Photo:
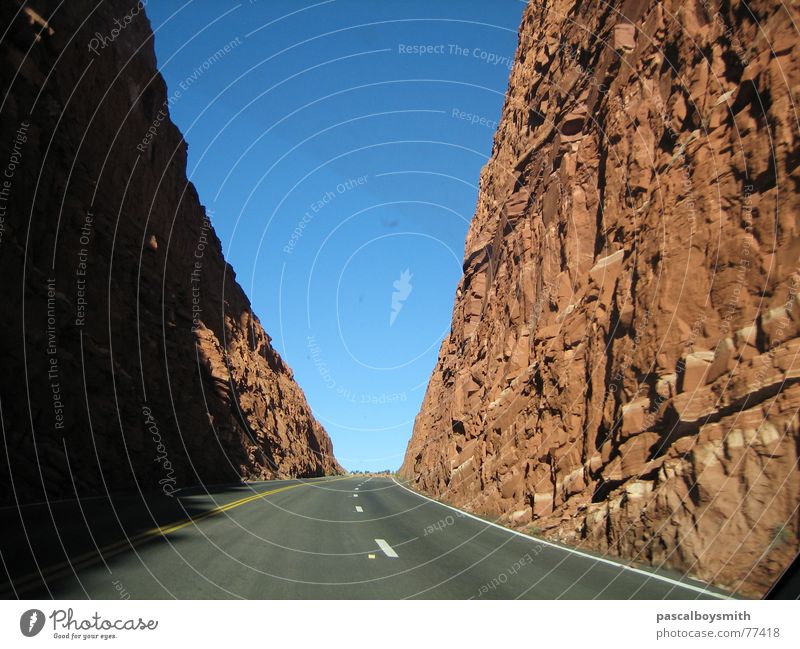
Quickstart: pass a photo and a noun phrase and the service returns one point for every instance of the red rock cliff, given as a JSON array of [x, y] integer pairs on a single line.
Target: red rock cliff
[[131, 357], [622, 371]]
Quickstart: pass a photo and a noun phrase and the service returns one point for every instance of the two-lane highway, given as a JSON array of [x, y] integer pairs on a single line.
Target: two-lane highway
[[348, 537]]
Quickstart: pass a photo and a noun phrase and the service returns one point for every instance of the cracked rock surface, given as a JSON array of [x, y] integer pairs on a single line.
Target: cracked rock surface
[[622, 371]]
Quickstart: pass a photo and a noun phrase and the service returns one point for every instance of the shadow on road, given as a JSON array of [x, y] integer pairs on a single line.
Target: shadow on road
[[39, 542]]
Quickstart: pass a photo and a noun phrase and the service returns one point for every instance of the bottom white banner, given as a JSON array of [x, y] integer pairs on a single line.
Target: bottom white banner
[[398, 623]]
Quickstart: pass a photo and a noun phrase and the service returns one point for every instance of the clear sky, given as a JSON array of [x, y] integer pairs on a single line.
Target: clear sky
[[337, 146]]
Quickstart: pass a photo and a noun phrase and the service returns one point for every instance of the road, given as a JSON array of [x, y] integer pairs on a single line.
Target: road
[[353, 538]]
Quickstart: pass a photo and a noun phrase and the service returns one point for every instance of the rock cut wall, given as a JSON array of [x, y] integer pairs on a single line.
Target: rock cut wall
[[622, 369], [131, 356]]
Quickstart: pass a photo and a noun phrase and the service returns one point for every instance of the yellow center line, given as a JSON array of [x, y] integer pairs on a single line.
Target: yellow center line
[[87, 559], [174, 527]]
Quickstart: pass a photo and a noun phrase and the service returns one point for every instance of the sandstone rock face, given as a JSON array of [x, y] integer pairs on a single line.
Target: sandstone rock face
[[131, 357], [622, 370]]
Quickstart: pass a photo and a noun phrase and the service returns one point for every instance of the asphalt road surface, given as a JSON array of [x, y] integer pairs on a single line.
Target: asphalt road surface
[[350, 538]]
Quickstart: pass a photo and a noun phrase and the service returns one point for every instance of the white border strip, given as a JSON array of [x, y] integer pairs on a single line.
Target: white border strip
[[650, 575]]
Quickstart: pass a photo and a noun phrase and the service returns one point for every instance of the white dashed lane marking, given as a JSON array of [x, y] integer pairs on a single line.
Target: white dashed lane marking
[[358, 509], [387, 549]]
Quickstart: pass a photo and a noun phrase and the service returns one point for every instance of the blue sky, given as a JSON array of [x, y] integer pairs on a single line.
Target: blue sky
[[337, 146]]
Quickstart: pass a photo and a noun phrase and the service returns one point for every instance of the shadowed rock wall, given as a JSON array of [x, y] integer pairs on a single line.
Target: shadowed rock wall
[[131, 357]]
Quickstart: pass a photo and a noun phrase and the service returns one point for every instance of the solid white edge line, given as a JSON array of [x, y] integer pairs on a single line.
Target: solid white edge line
[[536, 539], [359, 509], [387, 549]]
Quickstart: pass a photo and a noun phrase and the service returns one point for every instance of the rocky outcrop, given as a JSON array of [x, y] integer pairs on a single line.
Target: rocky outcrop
[[622, 370], [131, 357]]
